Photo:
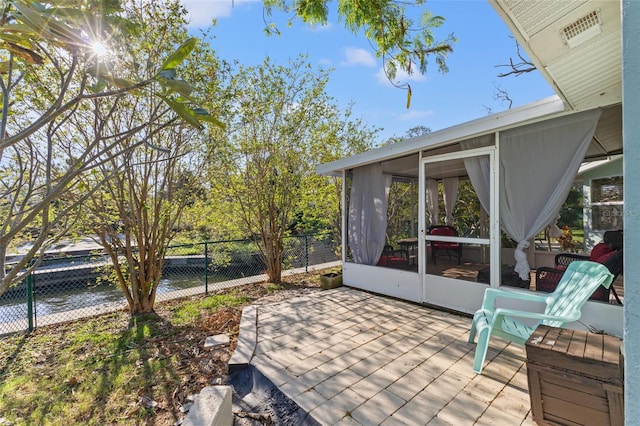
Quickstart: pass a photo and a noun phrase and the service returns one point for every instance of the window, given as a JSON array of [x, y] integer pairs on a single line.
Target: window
[[606, 203]]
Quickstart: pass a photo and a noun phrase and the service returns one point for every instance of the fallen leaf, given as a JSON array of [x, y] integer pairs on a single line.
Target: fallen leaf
[[147, 402], [71, 381]]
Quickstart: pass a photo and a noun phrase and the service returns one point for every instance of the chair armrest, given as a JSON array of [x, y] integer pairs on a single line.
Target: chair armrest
[[491, 294], [503, 312]]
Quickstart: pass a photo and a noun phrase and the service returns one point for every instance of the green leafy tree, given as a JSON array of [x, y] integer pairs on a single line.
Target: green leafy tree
[[402, 41], [414, 132], [281, 124], [52, 77], [466, 212], [135, 211], [320, 204], [571, 213], [402, 209]]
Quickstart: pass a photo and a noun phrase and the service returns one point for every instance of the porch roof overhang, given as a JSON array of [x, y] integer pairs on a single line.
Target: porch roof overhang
[[400, 159], [588, 167], [532, 112]]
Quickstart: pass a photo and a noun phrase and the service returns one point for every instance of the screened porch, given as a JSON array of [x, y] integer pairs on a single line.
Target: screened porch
[[437, 219]]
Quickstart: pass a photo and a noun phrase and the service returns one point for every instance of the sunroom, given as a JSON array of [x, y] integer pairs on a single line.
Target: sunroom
[[496, 182]]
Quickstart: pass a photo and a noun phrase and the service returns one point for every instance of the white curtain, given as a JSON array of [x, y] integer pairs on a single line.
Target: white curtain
[[432, 201], [450, 195], [553, 228], [479, 171], [538, 165], [368, 213]]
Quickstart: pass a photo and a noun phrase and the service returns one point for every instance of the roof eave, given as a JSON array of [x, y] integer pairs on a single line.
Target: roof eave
[[523, 40], [533, 111]]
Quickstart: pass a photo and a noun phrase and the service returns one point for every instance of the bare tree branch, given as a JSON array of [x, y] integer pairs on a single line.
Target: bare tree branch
[[502, 95], [522, 66]]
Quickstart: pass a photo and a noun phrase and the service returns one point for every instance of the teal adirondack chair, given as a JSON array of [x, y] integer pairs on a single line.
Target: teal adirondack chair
[[563, 306]]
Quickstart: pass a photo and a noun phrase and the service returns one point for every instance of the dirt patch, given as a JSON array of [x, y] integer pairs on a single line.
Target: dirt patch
[[210, 367], [257, 401]]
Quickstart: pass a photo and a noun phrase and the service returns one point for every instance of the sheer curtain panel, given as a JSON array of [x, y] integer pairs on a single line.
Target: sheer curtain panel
[[539, 163], [450, 195], [368, 213], [432, 201]]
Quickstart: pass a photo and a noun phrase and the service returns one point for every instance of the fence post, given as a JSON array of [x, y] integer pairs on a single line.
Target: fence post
[[206, 268], [30, 301], [306, 253]]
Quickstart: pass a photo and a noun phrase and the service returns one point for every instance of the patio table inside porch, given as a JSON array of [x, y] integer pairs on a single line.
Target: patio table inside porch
[[349, 357], [409, 248]]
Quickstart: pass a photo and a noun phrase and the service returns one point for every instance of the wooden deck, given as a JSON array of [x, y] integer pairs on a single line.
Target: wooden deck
[[348, 357]]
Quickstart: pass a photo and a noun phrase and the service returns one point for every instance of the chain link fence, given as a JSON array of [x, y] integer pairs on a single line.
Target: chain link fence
[[69, 287]]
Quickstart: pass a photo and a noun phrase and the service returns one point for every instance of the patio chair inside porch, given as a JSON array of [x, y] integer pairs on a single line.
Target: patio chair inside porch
[[608, 252], [392, 258], [444, 246], [562, 307]]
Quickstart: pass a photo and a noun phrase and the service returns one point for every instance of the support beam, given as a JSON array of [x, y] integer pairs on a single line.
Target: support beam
[[631, 146]]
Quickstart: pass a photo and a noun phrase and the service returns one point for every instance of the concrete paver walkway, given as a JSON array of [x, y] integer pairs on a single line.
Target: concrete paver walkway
[[349, 357]]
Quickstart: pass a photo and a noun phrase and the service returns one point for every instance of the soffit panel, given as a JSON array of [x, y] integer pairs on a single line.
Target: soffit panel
[[601, 77], [533, 16], [589, 74], [404, 166], [446, 169], [549, 45]]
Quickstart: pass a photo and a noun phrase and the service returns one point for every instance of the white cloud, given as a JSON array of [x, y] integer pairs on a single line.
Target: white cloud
[[356, 56], [415, 115], [402, 77], [322, 27], [201, 12]]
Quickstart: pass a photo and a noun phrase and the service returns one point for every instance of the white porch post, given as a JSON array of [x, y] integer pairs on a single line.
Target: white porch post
[[631, 143], [422, 225], [494, 214], [344, 217]]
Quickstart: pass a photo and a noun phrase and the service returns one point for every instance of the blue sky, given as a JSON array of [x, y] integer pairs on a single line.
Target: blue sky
[[466, 92]]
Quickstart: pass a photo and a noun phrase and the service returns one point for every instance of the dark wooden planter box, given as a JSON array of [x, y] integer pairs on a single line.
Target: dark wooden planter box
[[330, 280], [575, 377]]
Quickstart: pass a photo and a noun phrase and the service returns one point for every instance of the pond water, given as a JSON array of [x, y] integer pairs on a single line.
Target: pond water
[[13, 306]]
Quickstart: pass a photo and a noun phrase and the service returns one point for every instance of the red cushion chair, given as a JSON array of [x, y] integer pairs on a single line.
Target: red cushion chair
[[389, 258], [444, 246], [600, 249], [547, 278]]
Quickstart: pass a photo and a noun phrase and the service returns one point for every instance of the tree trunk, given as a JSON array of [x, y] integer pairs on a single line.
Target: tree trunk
[[141, 281], [274, 271], [142, 305], [273, 261]]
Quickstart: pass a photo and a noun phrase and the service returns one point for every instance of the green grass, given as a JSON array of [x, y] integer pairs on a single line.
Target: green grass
[[97, 371], [187, 312], [108, 369], [578, 235], [272, 288]]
